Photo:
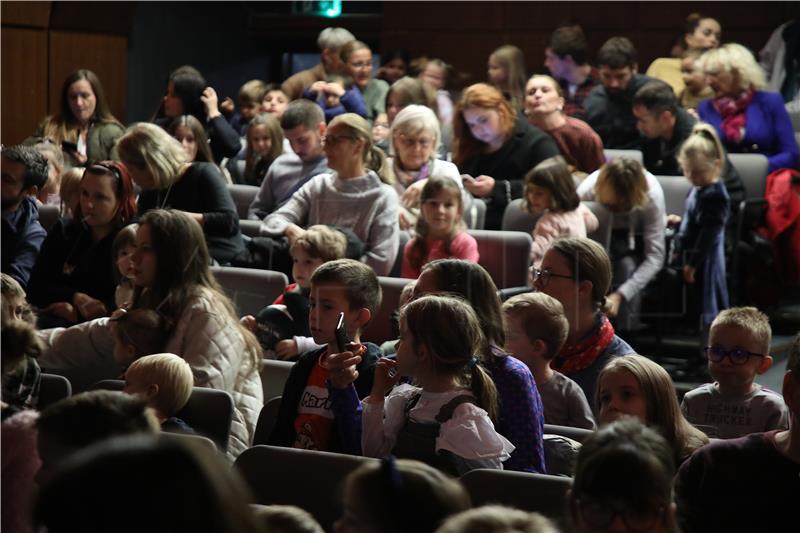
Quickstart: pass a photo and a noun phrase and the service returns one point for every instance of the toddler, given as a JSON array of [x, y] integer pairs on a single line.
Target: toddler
[[251, 95], [696, 88], [536, 330], [20, 345], [264, 145], [734, 406], [336, 95], [165, 382], [122, 250], [70, 191], [440, 230], [550, 192]]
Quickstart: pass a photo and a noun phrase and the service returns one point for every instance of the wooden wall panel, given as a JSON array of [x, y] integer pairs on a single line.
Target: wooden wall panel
[[34, 14], [106, 55], [24, 82]]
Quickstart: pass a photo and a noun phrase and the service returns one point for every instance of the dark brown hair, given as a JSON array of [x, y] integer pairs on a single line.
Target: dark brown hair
[[553, 175], [419, 247]]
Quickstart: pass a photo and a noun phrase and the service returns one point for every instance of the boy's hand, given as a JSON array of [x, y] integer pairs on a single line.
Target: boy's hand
[[286, 349], [386, 377], [688, 274], [249, 322], [210, 100], [342, 369], [614, 301]]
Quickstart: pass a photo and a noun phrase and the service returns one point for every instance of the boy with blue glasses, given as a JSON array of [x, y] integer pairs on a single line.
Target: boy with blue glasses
[[734, 406]]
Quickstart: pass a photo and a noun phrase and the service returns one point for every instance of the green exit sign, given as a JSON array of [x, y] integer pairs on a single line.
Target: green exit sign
[[327, 9]]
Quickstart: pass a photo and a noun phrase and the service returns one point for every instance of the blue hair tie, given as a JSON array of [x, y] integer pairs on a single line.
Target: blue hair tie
[[472, 362], [391, 474]]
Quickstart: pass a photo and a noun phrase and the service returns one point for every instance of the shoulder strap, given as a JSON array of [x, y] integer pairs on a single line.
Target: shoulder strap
[[412, 402], [447, 410]]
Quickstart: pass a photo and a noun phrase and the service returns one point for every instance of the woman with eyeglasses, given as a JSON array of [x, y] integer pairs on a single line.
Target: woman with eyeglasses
[[74, 276], [577, 273], [357, 60], [84, 127], [160, 167], [355, 195], [623, 481]]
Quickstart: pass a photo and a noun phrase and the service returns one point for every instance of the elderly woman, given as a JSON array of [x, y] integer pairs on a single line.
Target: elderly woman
[[160, 167], [494, 149], [579, 143], [637, 248], [357, 59], [415, 138], [84, 126], [747, 118]]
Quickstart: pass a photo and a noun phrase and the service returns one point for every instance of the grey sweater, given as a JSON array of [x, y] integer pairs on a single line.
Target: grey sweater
[[364, 204], [285, 175]]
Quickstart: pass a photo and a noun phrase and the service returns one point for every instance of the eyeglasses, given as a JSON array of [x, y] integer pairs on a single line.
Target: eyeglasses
[[600, 515], [409, 142], [360, 65], [543, 276], [333, 140], [737, 356]]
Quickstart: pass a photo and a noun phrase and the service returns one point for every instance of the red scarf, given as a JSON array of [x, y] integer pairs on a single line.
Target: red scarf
[[575, 357], [732, 111]]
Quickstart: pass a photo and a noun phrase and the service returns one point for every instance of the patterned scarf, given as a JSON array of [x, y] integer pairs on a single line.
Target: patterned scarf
[[575, 357], [733, 113]]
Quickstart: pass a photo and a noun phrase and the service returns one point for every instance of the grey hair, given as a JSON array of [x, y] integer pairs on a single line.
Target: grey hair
[[334, 38], [733, 56], [414, 119]]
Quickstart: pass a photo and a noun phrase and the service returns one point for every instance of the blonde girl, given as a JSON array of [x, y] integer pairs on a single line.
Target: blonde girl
[[506, 71], [550, 192], [446, 420], [440, 228]]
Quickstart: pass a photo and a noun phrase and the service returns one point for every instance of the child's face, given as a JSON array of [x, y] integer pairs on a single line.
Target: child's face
[[730, 375], [498, 75], [540, 198], [434, 75], [517, 341], [185, 136], [275, 102], [303, 265], [700, 175], [441, 212], [621, 394], [136, 385], [259, 140], [125, 264], [248, 110], [407, 358], [380, 128], [144, 258], [333, 100], [327, 300], [15, 304], [693, 77]]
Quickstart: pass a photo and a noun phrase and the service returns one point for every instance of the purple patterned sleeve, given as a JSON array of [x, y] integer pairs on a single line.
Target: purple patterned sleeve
[[520, 411]]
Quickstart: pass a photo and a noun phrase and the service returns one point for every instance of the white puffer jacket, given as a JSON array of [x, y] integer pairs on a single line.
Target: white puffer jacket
[[204, 338]]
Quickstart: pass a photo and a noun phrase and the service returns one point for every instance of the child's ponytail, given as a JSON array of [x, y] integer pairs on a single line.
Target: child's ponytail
[[484, 389], [702, 149]]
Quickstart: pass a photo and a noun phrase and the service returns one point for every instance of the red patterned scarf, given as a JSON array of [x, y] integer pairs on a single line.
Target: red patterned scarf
[[575, 357], [733, 113]]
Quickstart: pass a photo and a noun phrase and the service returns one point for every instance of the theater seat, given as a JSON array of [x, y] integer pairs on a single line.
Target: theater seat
[[250, 289], [266, 420], [243, 196], [379, 328], [48, 216], [274, 374], [605, 223], [578, 434], [516, 218], [612, 154], [530, 492], [676, 189], [753, 169], [505, 255], [52, 388]]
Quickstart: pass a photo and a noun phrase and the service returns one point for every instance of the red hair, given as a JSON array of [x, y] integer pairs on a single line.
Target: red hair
[[123, 189], [485, 96]]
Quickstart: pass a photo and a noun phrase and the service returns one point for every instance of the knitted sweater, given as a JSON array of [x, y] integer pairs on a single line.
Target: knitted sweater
[[362, 204]]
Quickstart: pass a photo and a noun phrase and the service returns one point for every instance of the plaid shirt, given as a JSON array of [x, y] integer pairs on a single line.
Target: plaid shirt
[[21, 387], [573, 105]]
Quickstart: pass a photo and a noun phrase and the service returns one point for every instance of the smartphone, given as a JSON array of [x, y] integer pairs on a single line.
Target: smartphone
[[69, 146], [341, 334]]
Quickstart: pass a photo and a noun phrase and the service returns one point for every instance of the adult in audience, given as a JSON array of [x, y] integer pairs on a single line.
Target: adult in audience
[[566, 57], [577, 273], [303, 124], [173, 278], [716, 487], [608, 106], [110, 486], [415, 139], [394, 65], [357, 62], [495, 149], [435, 73], [408, 91], [159, 166], [84, 127], [192, 136], [75, 274], [354, 195], [665, 126], [623, 481], [24, 172], [637, 247], [330, 42], [189, 94], [579, 143], [747, 118]]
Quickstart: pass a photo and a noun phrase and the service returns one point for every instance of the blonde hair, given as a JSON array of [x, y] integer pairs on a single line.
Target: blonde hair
[[70, 190], [702, 150], [733, 57], [662, 409], [497, 519], [542, 318], [148, 147], [749, 319], [171, 373], [414, 120], [553, 175], [622, 183], [321, 242], [373, 157], [275, 134], [511, 58], [252, 92]]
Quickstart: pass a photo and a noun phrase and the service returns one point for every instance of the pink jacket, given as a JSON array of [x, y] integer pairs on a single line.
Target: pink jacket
[[552, 225]]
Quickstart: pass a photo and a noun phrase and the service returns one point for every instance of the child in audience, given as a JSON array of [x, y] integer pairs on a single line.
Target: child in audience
[[264, 145], [165, 382], [734, 405], [285, 519], [137, 333], [635, 386], [536, 330], [506, 71], [497, 519], [701, 238], [399, 496], [311, 414], [251, 95], [445, 421], [380, 128], [275, 101], [14, 303], [282, 328], [21, 374], [440, 231], [70, 191], [122, 250], [550, 192], [336, 95], [696, 87]]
